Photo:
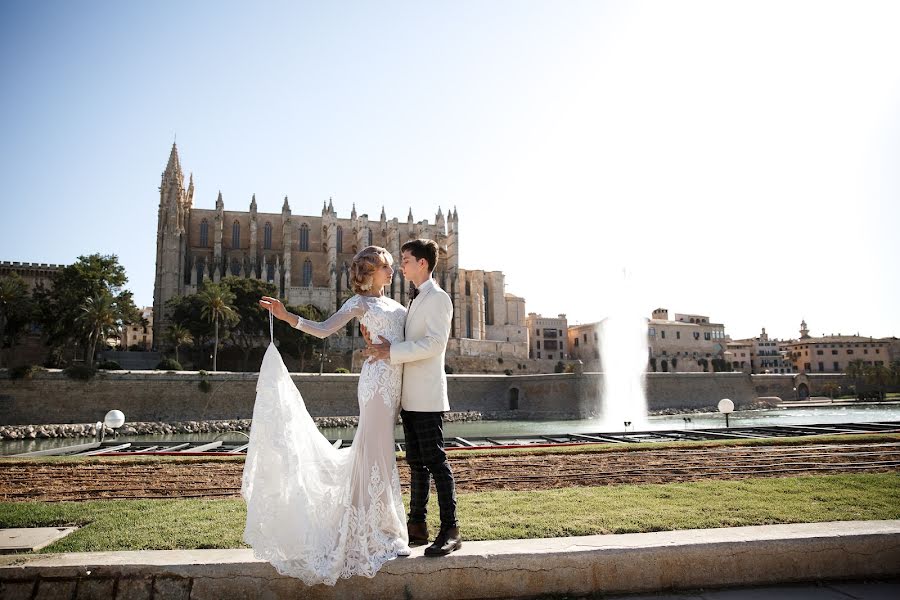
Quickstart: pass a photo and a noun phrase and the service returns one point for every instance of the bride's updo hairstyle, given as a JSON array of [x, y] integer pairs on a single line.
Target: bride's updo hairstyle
[[365, 263]]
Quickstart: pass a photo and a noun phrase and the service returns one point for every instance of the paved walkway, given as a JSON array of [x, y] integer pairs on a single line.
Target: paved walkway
[[849, 590], [577, 567]]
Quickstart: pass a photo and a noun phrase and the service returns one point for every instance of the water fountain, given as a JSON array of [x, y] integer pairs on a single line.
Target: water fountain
[[623, 352]]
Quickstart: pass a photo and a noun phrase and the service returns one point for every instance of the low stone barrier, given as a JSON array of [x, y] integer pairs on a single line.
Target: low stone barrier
[[24, 432]]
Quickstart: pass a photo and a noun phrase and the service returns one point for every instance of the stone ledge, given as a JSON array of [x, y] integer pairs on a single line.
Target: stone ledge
[[628, 563]]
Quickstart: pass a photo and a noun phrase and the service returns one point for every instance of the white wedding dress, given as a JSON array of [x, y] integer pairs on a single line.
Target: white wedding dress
[[316, 512]]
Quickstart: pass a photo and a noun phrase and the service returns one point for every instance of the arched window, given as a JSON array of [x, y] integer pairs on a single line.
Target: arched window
[[204, 234], [370, 237], [236, 235], [270, 272], [235, 267], [468, 288], [307, 273], [304, 238], [267, 237], [340, 239], [513, 398], [488, 314], [468, 322]]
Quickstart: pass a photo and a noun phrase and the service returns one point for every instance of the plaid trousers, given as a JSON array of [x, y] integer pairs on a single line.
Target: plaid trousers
[[424, 434]]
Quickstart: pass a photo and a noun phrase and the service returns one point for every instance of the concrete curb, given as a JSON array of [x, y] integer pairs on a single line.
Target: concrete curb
[[629, 563]]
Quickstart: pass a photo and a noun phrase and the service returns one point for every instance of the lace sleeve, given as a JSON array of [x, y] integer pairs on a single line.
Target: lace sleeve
[[352, 308]]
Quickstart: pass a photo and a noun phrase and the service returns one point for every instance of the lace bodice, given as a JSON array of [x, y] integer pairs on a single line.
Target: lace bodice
[[381, 315]]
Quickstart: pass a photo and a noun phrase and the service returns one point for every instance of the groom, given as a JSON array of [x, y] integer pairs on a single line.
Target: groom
[[424, 396]]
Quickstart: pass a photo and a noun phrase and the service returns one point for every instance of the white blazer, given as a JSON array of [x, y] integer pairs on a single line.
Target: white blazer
[[422, 354]]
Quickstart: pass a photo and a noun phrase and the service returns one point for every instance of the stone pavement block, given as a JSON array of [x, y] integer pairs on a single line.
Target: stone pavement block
[[17, 590], [213, 588], [887, 590], [95, 589], [131, 588], [30, 539], [172, 588], [49, 589], [793, 592], [675, 596]]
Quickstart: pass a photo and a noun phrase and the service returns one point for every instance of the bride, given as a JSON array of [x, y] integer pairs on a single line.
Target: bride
[[313, 511]]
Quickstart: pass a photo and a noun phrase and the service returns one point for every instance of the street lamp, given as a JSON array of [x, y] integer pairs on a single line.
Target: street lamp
[[113, 419], [726, 407]]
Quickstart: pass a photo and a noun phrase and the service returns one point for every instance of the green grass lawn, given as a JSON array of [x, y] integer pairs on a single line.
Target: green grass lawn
[[172, 524]]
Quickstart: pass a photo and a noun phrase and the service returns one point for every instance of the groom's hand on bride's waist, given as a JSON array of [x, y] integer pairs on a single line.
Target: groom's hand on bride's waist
[[378, 349]]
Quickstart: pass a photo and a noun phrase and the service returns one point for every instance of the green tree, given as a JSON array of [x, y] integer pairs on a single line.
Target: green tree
[[294, 342], [60, 308], [252, 331], [187, 311], [179, 336], [15, 310], [217, 301], [99, 318], [895, 373]]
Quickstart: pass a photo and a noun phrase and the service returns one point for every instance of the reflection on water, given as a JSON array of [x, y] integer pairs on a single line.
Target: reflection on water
[[747, 418]]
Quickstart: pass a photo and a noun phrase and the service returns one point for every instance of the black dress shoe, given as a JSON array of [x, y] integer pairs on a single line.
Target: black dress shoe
[[446, 542], [418, 533]]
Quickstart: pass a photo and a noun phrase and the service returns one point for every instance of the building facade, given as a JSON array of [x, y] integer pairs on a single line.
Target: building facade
[[832, 353], [547, 336], [138, 333], [308, 258], [34, 274], [584, 344], [687, 343], [767, 355]]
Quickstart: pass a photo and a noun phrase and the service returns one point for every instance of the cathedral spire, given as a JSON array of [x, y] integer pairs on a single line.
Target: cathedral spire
[[353, 212], [174, 162], [285, 206], [409, 217], [253, 202], [383, 214], [330, 205], [220, 204]]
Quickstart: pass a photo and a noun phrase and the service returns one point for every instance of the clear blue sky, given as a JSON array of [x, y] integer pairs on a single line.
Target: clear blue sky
[[739, 159]]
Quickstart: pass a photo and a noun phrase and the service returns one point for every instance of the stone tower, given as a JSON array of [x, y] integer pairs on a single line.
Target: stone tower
[[175, 204]]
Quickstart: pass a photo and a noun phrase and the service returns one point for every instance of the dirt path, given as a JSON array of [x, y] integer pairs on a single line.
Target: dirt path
[[72, 481]]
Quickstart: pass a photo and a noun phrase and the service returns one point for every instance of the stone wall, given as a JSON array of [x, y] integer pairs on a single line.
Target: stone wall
[[51, 397]]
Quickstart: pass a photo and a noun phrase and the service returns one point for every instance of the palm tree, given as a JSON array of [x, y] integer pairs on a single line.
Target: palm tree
[[217, 300], [179, 336], [100, 316]]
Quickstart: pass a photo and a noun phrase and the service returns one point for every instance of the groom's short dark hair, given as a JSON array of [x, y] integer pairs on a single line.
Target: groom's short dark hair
[[422, 248]]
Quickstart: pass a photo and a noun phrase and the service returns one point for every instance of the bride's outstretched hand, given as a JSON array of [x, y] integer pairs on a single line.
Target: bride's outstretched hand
[[274, 306]]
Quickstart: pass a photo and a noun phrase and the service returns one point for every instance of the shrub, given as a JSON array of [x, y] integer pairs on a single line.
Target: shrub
[[341, 370], [559, 368], [80, 372], [110, 365], [23, 371], [169, 364]]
